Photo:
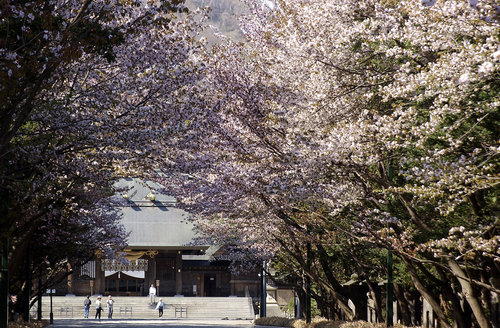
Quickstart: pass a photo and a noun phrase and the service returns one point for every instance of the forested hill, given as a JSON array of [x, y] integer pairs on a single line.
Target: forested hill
[[224, 15]]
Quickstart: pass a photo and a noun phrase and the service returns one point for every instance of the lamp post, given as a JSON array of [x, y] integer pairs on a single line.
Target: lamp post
[[389, 299], [308, 284], [51, 291], [91, 282], [263, 292], [390, 311]]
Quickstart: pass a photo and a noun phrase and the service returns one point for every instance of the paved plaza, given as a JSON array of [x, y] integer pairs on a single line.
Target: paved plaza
[[149, 323]]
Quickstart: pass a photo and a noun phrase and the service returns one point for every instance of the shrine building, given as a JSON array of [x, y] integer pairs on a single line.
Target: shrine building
[[160, 252]]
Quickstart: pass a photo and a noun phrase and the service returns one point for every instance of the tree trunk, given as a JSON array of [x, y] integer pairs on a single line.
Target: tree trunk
[[461, 317], [27, 286], [403, 305], [426, 294], [468, 292], [342, 303], [485, 294], [371, 289], [336, 290], [4, 283], [301, 295]]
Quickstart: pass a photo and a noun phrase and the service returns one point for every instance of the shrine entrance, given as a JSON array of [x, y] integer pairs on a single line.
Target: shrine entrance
[[210, 285], [124, 277], [123, 284]]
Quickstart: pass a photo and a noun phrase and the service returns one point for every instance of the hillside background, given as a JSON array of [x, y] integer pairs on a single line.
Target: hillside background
[[224, 16]]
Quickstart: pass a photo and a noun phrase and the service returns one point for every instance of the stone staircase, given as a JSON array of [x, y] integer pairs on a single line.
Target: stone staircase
[[138, 307]]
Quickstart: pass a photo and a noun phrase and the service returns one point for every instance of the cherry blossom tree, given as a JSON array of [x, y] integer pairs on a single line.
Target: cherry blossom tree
[[90, 91], [376, 119]]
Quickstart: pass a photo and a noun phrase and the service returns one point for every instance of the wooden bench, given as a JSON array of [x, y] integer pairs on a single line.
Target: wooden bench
[[182, 311], [125, 310]]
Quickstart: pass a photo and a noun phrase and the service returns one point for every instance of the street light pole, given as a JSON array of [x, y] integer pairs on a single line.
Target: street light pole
[[308, 284], [389, 297], [263, 292], [390, 311], [51, 313]]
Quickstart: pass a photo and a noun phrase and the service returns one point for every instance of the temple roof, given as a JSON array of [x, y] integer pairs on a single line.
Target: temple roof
[[152, 218]]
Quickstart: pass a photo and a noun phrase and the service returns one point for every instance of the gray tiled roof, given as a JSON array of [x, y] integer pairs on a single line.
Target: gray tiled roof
[[154, 224]]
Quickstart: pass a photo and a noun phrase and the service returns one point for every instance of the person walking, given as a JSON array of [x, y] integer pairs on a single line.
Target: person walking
[[152, 294], [159, 307], [110, 302], [86, 306], [98, 308]]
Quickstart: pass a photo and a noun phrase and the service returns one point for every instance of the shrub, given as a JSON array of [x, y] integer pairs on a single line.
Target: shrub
[[32, 324], [362, 324], [274, 321], [318, 323]]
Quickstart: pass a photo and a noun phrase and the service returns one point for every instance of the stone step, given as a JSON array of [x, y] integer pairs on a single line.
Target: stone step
[[139, 307]]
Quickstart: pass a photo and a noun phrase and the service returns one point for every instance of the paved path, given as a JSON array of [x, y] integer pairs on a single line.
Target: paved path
[[149, 323]]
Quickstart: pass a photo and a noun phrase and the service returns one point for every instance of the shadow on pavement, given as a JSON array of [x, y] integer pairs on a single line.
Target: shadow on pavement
[[149, 323]]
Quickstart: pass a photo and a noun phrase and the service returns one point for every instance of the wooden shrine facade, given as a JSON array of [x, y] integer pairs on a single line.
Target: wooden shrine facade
[[167, 271]]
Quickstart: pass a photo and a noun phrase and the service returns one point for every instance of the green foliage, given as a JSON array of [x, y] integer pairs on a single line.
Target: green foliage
[[92, 37]]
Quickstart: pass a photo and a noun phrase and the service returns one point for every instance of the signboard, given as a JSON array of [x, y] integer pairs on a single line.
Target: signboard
[[124, 265]]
